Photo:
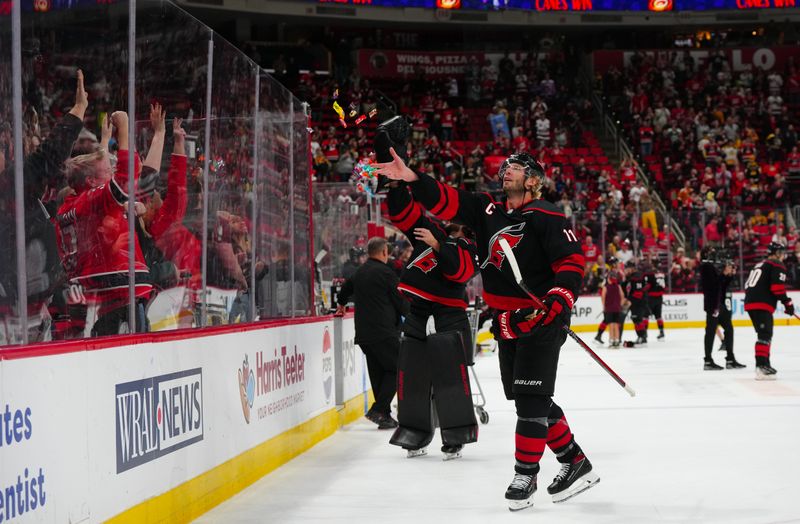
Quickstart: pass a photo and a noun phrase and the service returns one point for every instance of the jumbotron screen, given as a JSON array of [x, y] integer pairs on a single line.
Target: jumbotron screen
[[577, 5]]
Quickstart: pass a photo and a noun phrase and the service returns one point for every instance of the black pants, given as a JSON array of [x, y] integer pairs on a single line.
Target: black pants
[[115, 322], [723, 319], [640, 314], [382, 369], [762, 322], [528, 365]]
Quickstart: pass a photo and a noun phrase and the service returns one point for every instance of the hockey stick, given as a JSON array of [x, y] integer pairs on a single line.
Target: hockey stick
[[512, 260]]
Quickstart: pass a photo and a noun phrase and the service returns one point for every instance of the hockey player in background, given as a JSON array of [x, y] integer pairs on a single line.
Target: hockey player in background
[[765, 285], [636, 289], [656, 282], [434, 281], [529, 339]]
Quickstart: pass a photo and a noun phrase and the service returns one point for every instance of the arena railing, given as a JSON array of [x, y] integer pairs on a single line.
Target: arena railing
[[222, 235]]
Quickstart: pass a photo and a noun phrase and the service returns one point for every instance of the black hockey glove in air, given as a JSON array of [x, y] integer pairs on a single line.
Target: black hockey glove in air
[[789, 307]]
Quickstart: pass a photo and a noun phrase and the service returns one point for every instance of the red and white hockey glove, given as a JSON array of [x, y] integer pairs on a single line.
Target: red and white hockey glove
[[789, 307], [524, 322], [558, 305]]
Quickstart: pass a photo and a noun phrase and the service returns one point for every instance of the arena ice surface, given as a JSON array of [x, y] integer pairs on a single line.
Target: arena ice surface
[[694, 446]]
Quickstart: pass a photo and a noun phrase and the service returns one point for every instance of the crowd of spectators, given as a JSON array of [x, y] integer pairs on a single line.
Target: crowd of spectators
[[65, 299], [534, 108], [718, 143]]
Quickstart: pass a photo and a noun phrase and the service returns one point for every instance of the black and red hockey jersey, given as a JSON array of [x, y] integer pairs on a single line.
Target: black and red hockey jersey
[[547, 250], [656, 282], [441, 276], [636, 288], [765, 285]]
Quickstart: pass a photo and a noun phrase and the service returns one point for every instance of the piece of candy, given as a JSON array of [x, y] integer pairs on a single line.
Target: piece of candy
[[344, 124], [336, 93], [339, 110], [373, 112], [360, 119]]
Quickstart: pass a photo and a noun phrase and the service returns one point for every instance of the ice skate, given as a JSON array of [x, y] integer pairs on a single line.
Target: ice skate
[[765, 372], [641, 341], [732, 364], [710, 365], [412, 453], [660, 336], [520, 492], [386, 422], [598, 339], [451, 452], [574, 478]]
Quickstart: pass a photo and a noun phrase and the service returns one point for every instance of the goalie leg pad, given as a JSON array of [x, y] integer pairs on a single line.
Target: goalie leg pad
[[455, 319], [451, 388], [413, 395]]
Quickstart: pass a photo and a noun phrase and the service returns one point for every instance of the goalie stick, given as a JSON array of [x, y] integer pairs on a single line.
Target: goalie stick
[[512, 260]]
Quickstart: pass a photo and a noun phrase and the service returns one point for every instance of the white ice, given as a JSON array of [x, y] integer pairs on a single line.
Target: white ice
[[694, 446]]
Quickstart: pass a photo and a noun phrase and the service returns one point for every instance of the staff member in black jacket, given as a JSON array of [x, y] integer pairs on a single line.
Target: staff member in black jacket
[[378, 309], [715, 278]]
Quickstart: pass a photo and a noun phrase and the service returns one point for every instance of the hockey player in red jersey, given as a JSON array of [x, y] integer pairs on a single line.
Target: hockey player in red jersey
[[434, 281], [552, 262], [765, 285]]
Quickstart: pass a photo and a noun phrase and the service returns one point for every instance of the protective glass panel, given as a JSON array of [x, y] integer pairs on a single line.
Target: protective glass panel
[[172, 66], [229, 253], [76, 180], [274, 237], [301, 171], [10, 322]]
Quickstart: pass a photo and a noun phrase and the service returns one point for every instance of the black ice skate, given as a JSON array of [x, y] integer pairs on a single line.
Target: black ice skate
[[660, 335], [764, 371], [574, 478], [614, 344], [451, 452], [641, 341], [732, 364], [520, 492], [599, 339], [421, 452], [710, 365], [386, 422]]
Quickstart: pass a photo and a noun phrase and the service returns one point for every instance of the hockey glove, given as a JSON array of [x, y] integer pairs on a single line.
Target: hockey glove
[[514, 324], [558, 305], [789, 307], [523, 322]]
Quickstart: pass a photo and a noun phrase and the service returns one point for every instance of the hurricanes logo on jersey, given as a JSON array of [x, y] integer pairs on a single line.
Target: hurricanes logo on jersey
[[425, 261], [512, 234]]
